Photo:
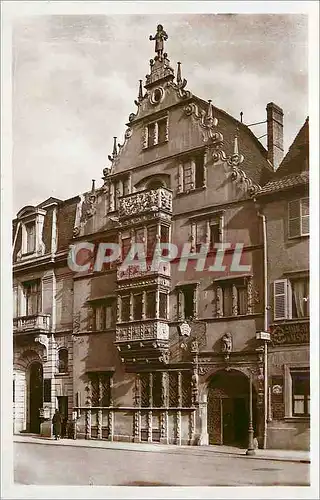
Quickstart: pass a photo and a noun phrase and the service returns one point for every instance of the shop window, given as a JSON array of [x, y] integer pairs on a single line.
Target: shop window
[[100, 384], [300, 393]]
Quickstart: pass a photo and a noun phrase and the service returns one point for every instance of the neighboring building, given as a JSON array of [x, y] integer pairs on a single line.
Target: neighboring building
[[42, 318], [285, 203]]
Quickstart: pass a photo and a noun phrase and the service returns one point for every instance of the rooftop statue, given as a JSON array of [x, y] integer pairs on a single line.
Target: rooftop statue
[[159, 38]]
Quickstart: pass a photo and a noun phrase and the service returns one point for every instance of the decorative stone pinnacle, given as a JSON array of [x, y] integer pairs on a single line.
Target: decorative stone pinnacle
[[159, 39], [236, 147], [241, 116], [140, 94], [179, 79], [209, 115], [115, 151], [93, 185]]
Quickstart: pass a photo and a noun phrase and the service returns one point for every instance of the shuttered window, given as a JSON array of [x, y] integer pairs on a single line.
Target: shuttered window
[[280, 299], [298, 215]]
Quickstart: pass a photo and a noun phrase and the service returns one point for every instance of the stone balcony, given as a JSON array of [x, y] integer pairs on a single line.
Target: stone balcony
[[138, 272], [296, 331], [38, 323], [145, 202], [143, 342], [152, 329]]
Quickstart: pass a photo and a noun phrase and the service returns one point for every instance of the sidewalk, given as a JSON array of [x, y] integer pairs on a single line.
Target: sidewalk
[[282, 455]]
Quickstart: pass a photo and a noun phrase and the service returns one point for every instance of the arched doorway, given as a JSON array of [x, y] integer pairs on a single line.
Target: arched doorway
[[228, 408], [36, 396]]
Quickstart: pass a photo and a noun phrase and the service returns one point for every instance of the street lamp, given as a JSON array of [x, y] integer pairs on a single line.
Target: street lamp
[[250, 450]]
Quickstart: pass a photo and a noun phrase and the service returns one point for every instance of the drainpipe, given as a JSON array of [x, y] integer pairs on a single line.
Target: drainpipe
[[266, 324]]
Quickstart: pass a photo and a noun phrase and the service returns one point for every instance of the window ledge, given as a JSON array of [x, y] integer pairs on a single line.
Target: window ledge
[[299, 236], [185, 193], [297, 419], [155, 145], [64, 374], [231, 318]]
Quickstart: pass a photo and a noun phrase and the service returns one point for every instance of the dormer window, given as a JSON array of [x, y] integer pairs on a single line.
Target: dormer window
[[31, 237], [156, 133], [30, 223]]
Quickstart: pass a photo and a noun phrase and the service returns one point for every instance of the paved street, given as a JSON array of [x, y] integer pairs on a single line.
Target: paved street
[[53, 464]]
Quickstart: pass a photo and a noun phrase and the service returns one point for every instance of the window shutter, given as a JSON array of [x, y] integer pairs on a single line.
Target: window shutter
[[280, 299], [304, 216], [294, 218]]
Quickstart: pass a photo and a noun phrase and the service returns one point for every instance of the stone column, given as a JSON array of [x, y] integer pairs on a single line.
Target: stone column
[[219, 302], [234, 300], [180, 178], [118, 308], [193, 174], [193, 236], [156, 133], [99, 415], [180, 305], [144, 297], [157, 302], [131, 307], [203, 421], [250, 306], [178, 416], [111, 197], [205, 159]]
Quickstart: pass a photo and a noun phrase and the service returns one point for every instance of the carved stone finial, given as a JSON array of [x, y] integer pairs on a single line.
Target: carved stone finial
[[241, 116], [140, 94], [159, 38], [179, 78], [115, 151], [93, 185], [209, 114], [236, 147]]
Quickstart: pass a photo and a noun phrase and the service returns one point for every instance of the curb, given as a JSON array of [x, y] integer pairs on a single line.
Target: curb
[[69, 442]]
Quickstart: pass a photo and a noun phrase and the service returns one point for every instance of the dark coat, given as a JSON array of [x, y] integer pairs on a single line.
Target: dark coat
[[56, 420]]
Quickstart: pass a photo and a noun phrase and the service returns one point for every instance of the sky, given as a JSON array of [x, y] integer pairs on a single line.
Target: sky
[[75, 78]]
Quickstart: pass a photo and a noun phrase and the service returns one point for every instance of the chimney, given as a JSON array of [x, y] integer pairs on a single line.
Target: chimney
[[275, 134]]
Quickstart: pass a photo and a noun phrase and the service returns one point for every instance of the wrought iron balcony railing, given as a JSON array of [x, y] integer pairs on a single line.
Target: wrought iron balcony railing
[[36, 323], [145, 201]]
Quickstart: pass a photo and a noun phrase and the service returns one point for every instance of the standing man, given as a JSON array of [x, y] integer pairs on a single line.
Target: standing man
[[56, 421]]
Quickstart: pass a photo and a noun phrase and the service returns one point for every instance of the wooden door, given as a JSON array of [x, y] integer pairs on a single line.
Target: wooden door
[[36, 396], [214, 419]]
